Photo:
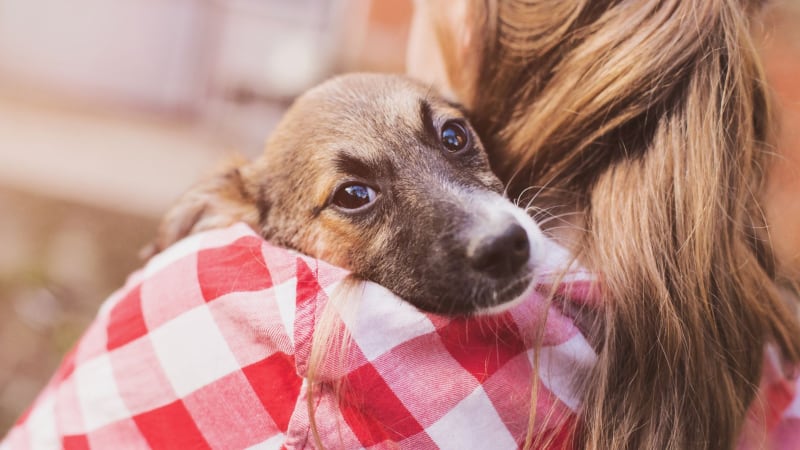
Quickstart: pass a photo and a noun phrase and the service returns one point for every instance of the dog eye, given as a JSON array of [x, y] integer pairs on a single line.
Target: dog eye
[[353, 196], [454, 136]]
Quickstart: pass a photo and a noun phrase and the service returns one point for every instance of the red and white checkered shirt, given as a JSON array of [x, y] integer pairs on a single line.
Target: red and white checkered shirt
[[208, 347]]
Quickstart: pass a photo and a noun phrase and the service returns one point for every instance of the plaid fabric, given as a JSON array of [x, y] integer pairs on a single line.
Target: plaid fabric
[[773, 421], [208, 347]]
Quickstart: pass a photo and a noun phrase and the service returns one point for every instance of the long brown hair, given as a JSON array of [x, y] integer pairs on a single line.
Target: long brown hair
[[651, 120]]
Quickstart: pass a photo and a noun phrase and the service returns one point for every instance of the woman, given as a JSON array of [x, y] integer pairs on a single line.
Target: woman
[[646, 125], [639, 131]]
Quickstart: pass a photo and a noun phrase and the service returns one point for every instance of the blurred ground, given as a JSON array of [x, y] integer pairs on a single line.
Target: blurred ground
[[58, 260]]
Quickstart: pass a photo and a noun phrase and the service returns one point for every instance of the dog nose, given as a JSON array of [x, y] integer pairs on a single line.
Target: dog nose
[[503, 254]]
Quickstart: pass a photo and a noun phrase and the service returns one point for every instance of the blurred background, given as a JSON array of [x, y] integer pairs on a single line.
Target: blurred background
[[110, 109]]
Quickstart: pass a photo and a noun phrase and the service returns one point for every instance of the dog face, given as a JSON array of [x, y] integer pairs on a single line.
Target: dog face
[[376, 174]]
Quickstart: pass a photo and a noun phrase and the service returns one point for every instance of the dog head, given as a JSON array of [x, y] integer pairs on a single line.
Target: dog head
[[377, 174]]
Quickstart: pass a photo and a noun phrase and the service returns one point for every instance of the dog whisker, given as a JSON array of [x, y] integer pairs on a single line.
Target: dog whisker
[[556, 217]]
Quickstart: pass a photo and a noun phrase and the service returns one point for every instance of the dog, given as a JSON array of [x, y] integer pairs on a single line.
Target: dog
[[376, 174]]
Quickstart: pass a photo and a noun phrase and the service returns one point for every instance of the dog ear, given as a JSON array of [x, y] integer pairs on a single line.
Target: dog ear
[[220, 201]]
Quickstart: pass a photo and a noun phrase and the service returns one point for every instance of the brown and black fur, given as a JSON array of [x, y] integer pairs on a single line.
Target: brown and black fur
[[434, 208]]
